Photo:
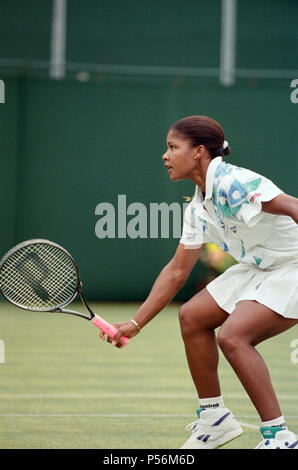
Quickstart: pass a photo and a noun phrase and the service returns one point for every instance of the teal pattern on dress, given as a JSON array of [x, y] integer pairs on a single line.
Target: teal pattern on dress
[[228, 197], [243, 253], [257, 260], [204, 224]]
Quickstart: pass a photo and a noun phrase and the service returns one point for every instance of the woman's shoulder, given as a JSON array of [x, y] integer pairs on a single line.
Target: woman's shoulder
[[226, 174]]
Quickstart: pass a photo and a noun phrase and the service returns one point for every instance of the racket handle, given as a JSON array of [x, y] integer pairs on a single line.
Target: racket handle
[[107, 328]]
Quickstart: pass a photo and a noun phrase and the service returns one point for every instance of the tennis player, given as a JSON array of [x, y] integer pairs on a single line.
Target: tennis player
[[249, 217]]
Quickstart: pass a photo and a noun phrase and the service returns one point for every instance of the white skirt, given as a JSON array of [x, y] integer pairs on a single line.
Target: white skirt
[[276, 289]]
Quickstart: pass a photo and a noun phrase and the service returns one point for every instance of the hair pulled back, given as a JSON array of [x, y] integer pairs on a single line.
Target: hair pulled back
[[203, 130]]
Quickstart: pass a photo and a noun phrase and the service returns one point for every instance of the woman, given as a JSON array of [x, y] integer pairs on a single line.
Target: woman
[[248, 216]]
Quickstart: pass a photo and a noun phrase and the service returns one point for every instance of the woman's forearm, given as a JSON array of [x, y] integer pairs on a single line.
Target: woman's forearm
[[165, 287]]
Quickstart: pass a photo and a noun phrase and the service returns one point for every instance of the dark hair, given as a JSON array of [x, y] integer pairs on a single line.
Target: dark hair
[[202, 130]]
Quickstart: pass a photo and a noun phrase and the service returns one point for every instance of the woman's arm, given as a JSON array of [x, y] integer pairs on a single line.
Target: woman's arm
[[283, 204], [165, 287]]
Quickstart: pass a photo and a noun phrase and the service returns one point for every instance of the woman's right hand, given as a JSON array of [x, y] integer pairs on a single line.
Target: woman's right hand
[[127, 329]]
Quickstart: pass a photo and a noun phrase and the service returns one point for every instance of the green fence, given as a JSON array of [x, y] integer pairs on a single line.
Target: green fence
[[67, 146]]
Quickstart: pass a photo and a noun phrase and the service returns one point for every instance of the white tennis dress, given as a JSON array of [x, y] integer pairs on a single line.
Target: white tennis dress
[[265, 245]]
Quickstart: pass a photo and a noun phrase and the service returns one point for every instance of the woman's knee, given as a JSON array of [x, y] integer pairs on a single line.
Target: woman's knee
[[227, 342], [200, 313], [231, 341], [188, 319], [195, 318]]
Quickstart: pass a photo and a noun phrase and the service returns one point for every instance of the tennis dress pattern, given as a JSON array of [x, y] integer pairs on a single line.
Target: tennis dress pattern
[[265, 245]]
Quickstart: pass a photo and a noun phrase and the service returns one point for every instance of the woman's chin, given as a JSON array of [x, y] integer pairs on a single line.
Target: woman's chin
[[172, 175]]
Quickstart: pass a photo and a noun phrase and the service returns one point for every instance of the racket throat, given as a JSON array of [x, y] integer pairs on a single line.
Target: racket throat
[[92, 314], [71, 312]]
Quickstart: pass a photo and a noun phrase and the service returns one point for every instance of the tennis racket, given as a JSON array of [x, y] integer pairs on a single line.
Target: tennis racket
[[41, 276]]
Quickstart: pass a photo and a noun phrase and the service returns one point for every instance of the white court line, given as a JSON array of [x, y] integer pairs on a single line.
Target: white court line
[[126, 416], [115, 415], [94, 415], [108, 415], [251, 426], [165, 396]]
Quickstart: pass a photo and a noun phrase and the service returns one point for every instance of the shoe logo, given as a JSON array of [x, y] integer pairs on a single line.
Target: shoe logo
[[215, 405], [292, 446], [218, 422], [203, 437]]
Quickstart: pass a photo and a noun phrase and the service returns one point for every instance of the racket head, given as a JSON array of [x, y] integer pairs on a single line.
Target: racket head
[[39, 275]]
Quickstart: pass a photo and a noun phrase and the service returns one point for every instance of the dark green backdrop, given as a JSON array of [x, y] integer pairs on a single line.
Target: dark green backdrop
[[67, 146]]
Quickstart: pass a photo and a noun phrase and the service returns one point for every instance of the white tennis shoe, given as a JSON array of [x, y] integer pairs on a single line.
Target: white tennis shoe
[[214, 428], [277, 438]]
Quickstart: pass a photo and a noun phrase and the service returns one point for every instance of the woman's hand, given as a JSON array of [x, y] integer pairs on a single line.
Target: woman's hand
[[127, 329]]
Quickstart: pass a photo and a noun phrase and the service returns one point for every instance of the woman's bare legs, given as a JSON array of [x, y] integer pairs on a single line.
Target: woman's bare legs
[[250, 324], [198, 319]]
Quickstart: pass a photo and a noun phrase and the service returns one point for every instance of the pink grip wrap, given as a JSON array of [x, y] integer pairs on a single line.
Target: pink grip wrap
[[108, 329]]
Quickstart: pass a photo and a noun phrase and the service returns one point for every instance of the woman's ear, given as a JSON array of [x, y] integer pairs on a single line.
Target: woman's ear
[[199, 151]]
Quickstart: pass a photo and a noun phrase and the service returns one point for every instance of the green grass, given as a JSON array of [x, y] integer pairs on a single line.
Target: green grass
[[61, 387]]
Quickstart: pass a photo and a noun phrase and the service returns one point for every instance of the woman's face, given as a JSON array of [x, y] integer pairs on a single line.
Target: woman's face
[[180, 157]]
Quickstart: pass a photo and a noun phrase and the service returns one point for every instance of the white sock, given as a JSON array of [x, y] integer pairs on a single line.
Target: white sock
[[276, 422], [211, 403]]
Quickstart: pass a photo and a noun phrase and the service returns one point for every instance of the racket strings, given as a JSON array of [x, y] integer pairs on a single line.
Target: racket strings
[[39, 276], [25, 294]]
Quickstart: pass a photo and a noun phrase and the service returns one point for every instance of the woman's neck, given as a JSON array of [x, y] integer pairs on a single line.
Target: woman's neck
[[199, 176]]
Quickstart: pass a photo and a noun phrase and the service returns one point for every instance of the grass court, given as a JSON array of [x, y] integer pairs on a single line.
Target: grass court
[[61, 387]]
